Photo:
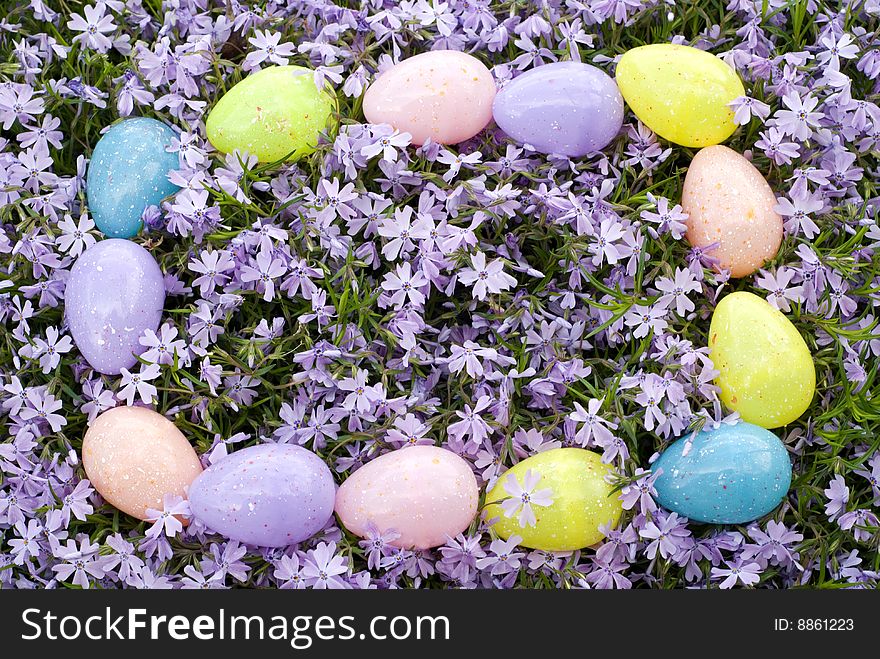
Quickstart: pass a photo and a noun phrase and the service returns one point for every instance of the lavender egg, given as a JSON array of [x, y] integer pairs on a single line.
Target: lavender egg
[[565, 108], [271, 495], [114, 293]]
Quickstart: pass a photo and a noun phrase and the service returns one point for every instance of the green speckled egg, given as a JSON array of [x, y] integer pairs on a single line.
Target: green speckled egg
[[273, 113], [582, 501]]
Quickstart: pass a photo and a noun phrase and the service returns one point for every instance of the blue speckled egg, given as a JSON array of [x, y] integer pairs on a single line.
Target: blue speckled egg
[[731, 475], [128, 171]]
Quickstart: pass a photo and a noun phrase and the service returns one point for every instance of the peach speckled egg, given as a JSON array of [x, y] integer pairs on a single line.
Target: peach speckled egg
[[444, 95], [728, 202], [134, 457], [424, 493]]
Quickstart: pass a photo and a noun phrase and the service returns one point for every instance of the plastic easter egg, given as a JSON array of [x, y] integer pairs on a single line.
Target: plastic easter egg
[[681, 93], [271, 495], [277, 112], [564, 108], [730, 205], [582, 501], [134, 457], [444, 95], [114, 293], [424, 493], [128, 172], [731, 475], [766, 371]]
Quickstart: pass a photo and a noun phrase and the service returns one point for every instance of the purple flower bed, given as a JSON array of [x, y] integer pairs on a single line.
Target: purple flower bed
[[481, 297]]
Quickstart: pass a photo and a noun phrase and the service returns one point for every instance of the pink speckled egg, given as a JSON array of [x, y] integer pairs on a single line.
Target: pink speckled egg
[[424, 493], [444, 95], [134, 457], [728, 202]]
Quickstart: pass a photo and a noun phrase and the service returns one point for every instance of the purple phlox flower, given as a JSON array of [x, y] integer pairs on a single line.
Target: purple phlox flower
[[503, 559], [834, 48], [468, 356], [226, 559], [133, 385], [27, 545], [323, 567], [485, 278], [289, 572], [460, 556], [76, 503], [168, 520], [240, 389], [604, 245], [43, 407], [675, 290], [472, 424], [94, 27], [263, 271], [797, 211], [212, 266], [775, 146], [408, 430], [377, 544], [50, 349], [748, 574], [669, 220], [124, 560], [387, 144], [531, 442], [362, 396], [268, 47], [405, 286], [455, 162], [780, 289], [402, 233], [667, 533], [606, 573], [79, 561], [873, 476], [521, 497], [23, 104], [838, 496], [75, 238], [651, 395], [772, 543], [745, 107], [594, 429], [862, 522], [163, 348], [197, 580], [800, 117], [646, 319]]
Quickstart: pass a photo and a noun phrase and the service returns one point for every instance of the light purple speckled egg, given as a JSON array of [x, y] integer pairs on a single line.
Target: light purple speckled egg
[[565, 108], [271, 495], [115, 291]]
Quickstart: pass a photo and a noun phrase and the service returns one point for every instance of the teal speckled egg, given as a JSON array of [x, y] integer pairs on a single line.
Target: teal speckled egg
[[127, 173], [731, 475]]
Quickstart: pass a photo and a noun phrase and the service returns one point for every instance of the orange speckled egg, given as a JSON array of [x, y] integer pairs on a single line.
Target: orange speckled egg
[[134, 457], [728, 202]]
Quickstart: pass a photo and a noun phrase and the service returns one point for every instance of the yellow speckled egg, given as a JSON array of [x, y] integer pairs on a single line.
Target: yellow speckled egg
[[766, 371], [679, 92], [582, 501], [729, 204], [134, 457]]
